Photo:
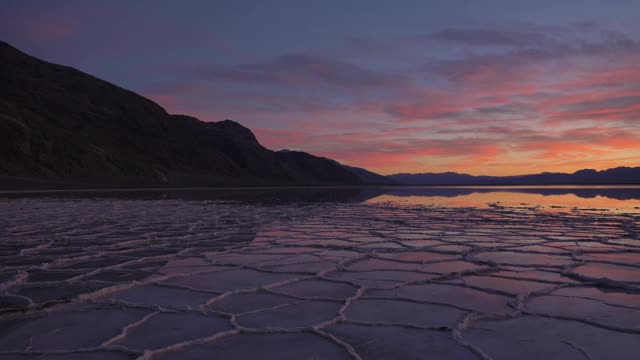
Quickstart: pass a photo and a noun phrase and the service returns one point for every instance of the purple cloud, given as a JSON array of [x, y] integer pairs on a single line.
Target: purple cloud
[[491, 37], [303, 69]]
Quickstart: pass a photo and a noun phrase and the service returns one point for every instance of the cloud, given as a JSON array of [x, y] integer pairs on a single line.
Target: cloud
[[524, 55], [302, 69], [618, 103], [45, 29], [491, 37], [499, 100]]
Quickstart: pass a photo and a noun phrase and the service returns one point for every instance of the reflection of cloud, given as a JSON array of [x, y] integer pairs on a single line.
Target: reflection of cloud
[[615, 193], [624, 200]]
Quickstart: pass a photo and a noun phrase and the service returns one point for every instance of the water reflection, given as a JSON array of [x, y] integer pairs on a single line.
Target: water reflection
[[624, 199], [616, 198]]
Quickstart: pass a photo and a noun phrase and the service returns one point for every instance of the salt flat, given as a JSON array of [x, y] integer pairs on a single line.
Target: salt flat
[[184, 279]]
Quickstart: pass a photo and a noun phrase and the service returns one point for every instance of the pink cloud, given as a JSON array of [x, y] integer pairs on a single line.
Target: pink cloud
[[540, 101], [45, 29]]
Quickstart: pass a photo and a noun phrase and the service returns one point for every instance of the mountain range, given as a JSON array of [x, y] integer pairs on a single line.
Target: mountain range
[[619, 175], [62, 128]]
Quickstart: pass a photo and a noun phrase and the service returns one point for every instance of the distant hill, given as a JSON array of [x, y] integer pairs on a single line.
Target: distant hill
[[619, 175], [60, 127]]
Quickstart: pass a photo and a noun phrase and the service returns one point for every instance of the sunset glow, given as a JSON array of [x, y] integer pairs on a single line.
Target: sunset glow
[[433, 93]]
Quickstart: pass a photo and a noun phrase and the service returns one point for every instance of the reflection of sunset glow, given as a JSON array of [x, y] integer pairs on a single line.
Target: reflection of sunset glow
[[563, 202]]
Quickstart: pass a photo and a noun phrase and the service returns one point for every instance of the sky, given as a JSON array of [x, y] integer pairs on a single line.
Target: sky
[[495, 87]]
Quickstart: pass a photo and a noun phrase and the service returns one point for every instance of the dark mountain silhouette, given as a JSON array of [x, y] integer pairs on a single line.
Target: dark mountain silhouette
[[370, 177], [60, 127], [310, 169], [619, 175]]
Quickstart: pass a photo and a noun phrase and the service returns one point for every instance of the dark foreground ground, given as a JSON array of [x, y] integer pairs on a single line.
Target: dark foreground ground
[[176, 279]]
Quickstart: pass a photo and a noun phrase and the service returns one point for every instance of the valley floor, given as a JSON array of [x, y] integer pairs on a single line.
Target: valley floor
[[175, 279]]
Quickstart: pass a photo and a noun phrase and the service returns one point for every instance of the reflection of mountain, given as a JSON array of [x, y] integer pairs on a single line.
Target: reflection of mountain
[[587, 193], [267, 196], [284, 195], [615, 176]]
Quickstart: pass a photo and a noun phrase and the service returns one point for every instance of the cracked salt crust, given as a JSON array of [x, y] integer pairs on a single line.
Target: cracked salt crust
[[171, 279]]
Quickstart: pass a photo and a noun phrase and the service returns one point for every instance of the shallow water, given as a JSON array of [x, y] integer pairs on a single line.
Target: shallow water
[[321, 273], [624, 198], [620, 199]]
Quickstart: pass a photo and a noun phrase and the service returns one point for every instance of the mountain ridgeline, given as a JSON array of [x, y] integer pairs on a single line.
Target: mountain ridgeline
[[61, 128], [615, 176]]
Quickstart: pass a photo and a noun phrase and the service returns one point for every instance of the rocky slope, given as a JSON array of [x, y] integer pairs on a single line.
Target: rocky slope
[[60, 127], [370, 177]]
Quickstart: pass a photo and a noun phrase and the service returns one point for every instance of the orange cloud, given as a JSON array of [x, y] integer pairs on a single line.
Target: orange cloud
[[539, 103]]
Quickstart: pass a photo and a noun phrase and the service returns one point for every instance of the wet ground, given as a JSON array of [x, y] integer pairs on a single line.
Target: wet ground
[[181, 279]]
